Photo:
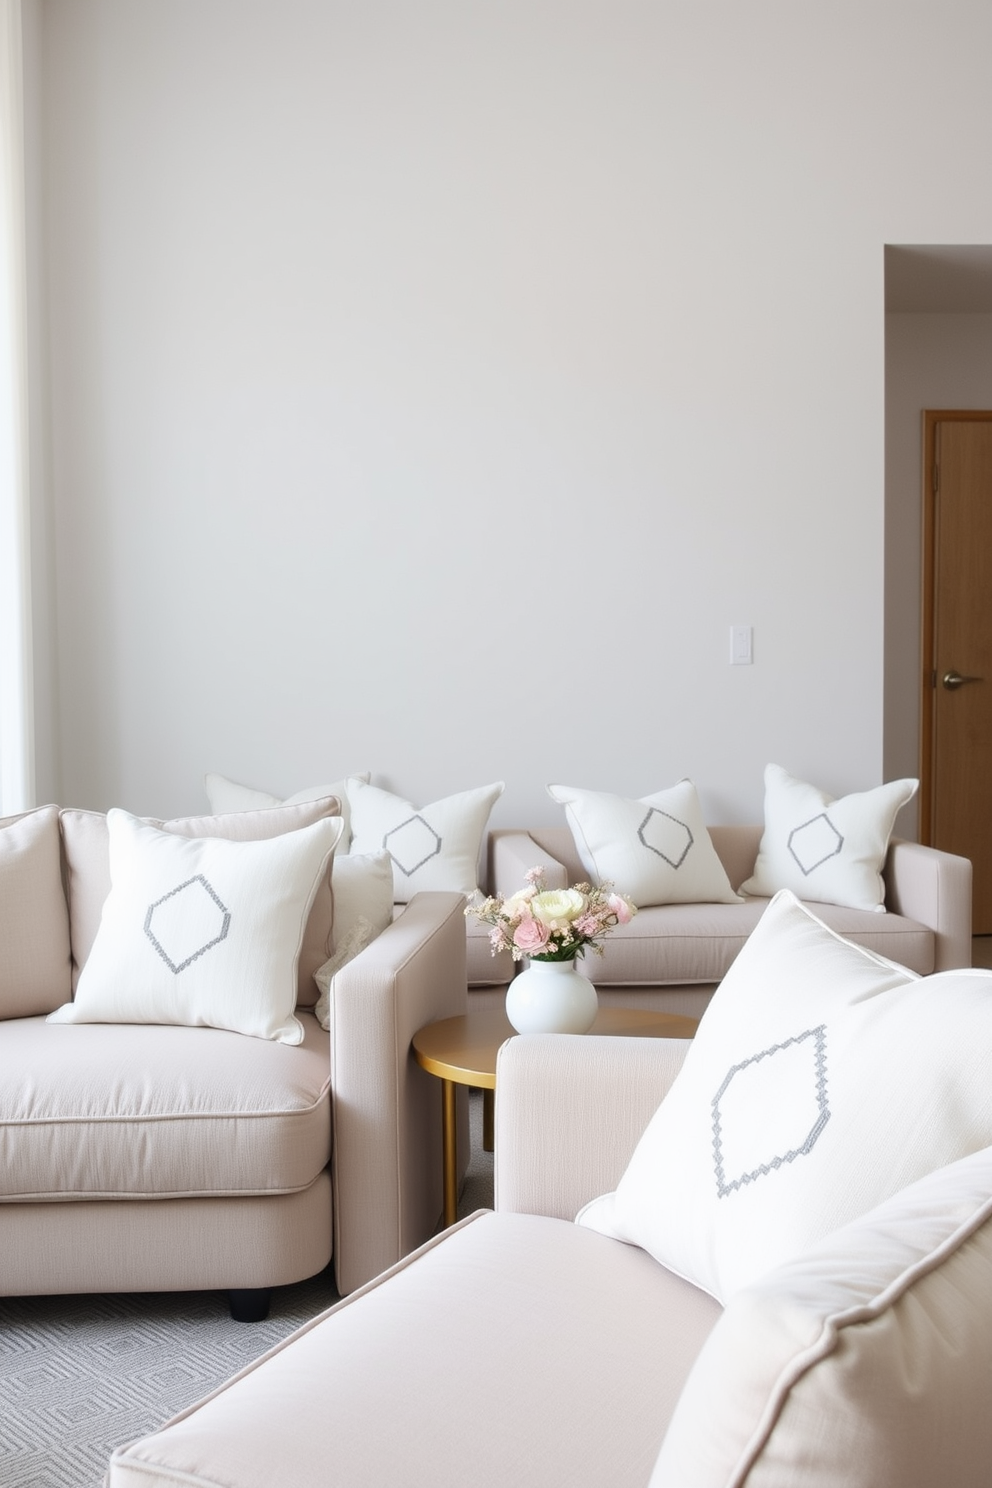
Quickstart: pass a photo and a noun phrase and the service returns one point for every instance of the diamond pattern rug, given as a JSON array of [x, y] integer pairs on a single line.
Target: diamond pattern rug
[[81, 1375]]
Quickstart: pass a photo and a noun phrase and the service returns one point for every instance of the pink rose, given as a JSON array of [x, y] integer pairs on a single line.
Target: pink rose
[[530, 935], [623, 910]]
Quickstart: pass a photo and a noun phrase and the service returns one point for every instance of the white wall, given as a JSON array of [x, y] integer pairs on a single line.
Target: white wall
[[931, 361], [433, 384]]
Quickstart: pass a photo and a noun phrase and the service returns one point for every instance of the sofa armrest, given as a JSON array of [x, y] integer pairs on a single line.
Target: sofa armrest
[[934, 888], [512, 854], [385, 1110], [570, 1109]]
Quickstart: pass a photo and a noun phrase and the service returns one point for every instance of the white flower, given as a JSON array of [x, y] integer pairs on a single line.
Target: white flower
[[517, 904], [558, 906]]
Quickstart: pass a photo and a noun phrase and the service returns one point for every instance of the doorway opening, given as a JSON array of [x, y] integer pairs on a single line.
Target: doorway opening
[[938, 356]]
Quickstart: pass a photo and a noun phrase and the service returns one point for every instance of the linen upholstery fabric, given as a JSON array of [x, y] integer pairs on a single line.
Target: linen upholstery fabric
[[362, 888], [86, 845], [431, 847], [608, 1337], [203, 930], [809, 1042], [140, 1111], [865, 1362], [484, 969], [562, 1136], [228, 796], [927, 926], [165, 1245], [824, 849], [655, 850], [699, 942], [35, 967]]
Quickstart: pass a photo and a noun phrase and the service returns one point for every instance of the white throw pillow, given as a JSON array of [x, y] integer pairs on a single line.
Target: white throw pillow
[[878, 1335], [227, 795], [362, 886], [830, 851], [202, 931], [822, 1079], [431, 847], [655, 850]]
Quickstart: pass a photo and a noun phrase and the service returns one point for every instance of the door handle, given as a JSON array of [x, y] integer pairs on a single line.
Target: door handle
[[953, 680]]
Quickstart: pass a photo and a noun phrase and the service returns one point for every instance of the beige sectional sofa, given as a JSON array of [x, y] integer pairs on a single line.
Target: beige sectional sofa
[[522, 1349], [671, 956], [148, 1157]]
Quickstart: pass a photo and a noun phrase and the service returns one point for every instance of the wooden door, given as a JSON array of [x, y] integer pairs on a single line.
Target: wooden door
[[956, 795]]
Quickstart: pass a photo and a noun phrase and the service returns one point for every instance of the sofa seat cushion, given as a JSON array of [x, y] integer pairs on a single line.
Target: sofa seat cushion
[[423, 1380], [696, 943], [145, 1111]]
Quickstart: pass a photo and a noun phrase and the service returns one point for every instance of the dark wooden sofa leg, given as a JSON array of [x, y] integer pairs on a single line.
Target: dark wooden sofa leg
[[250, 1305]]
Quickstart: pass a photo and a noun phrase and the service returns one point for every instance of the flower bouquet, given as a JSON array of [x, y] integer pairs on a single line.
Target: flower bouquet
[[552, 924]]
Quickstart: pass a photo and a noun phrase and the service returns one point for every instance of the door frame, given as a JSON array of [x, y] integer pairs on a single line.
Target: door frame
[[928, 660]]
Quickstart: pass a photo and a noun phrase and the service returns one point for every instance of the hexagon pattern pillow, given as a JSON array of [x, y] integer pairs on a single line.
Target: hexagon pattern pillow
[[655, 850], [202, 931], [822, 1079], [826, 850], [431, 847]]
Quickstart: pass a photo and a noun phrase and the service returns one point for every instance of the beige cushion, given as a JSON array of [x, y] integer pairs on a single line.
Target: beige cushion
[[517, 1350], [865, 1364], [35, 969], [685, 943], [147, 1111], [227, 795], [87, 854], [821, 1080]]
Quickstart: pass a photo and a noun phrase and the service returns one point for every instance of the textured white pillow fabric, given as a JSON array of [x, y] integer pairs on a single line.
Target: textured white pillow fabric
[[822, 1079], [202, 931], [227, 795], [878, 1335], [362, 886], [431, 847], [655, 850], [826, 850]]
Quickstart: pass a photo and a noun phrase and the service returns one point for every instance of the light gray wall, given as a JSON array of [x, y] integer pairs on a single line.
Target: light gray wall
[[932, 361], [434, 384]]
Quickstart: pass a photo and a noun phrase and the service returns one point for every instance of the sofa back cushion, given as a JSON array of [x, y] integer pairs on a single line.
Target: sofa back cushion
[[736, 847], [87, 853], [865, 1362], [34, 919]]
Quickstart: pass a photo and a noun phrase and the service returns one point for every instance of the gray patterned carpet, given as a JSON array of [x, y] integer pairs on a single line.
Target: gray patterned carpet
[[80, 1375]]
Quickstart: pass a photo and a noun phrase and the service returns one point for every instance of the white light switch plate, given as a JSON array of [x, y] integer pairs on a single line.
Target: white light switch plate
[[741, 645]]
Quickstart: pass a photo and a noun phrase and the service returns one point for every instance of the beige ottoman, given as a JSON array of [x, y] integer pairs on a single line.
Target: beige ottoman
[[515, 1349]]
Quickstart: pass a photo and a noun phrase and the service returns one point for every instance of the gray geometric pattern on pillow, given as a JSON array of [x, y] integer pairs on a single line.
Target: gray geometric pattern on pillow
[[801, 1129], [815, 842], [412, 844], [666, 836], [198, 886]]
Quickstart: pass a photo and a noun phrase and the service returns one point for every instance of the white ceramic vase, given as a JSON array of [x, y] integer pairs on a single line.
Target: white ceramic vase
[[551, 997]]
